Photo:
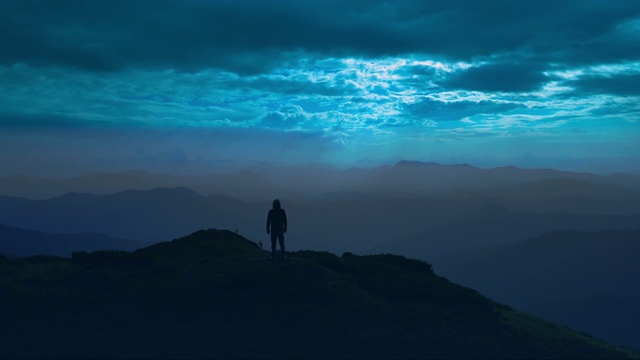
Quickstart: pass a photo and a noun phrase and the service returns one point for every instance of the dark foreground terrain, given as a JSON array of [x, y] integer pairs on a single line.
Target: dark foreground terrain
[[216, 294]]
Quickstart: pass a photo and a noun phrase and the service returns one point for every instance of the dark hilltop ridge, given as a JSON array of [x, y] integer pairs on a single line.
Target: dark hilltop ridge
[[216, 294]]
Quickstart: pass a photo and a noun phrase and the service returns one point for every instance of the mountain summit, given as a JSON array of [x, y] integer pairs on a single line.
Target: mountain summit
[[217, 294]]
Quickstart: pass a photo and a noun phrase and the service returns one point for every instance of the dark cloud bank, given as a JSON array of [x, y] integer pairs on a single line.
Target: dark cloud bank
[[253, 36], [278, 69]]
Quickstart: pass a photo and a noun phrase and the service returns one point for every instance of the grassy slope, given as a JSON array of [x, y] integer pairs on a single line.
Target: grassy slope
[[216, 294]]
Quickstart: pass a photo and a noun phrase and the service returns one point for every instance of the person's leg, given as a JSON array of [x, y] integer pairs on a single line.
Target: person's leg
[[281, 239], [273, 245]]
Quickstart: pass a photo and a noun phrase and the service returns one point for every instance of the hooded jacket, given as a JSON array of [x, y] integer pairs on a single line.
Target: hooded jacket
[[277, 219]]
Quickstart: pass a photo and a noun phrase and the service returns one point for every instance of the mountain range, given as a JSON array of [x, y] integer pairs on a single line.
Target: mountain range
[[584, 279], [336, 222], [426, 211], [16, 242], [495, 225], [216, 294], [146, 216], [407, 178]]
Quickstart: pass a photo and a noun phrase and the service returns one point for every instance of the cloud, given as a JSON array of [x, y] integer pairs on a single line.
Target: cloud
[[301, 84], [251, 37], [504, 76], [617, 84], [287, 116], [438, 110]]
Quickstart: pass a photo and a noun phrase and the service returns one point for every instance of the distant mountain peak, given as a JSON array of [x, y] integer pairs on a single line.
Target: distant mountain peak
[[507, 167], [416, 163]]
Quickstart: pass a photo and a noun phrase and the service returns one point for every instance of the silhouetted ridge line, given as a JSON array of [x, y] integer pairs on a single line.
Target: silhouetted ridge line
[[203, 244], [416, 163], [431, 164]]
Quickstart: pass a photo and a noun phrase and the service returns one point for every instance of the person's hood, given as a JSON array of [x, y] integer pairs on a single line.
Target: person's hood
[[276, 204]]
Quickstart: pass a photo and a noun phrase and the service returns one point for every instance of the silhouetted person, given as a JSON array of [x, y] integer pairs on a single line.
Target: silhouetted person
[[277, 226]]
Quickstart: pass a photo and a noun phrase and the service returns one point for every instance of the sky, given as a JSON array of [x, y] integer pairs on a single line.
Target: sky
[[198, 86]]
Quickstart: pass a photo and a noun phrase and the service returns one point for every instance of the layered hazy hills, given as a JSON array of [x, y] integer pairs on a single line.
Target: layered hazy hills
[[588, 280], [409, 178], [147, 215], [606, 260], [244, 184], [217, 294], [337, 222], [16, 242], [494, 225], [560, 194]]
